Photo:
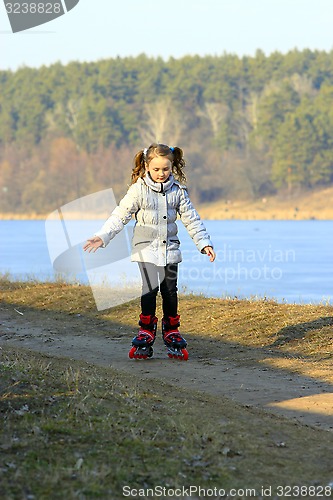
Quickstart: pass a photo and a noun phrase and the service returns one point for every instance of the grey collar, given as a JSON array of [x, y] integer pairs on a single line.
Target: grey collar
[[160, 187]]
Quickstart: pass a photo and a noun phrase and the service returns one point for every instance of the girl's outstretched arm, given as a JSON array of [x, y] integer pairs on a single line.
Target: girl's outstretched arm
[[120, 216], [194, 225]]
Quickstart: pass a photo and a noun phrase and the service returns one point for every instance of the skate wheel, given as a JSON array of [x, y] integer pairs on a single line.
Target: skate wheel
[[185, 354], [170, 355], [131, 354], [134, 354]]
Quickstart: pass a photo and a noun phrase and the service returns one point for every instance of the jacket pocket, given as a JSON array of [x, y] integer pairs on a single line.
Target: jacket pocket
[[141, 243]]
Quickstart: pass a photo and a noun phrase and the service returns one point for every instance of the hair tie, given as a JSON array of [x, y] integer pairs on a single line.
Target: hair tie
[[172, 149]]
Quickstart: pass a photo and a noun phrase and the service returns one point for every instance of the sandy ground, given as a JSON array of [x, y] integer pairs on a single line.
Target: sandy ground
[[248, 381]]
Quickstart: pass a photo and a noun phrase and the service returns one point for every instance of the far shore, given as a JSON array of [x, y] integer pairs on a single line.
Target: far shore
[[316, 205], [235, 213]]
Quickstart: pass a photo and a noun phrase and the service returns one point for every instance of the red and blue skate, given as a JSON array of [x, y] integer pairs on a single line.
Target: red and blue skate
[[175, 343], [142, 344]]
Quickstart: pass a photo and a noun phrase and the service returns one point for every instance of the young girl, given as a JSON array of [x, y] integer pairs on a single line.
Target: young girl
[[156, 196]]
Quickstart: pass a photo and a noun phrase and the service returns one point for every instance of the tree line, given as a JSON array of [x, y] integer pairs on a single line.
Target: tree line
[[249, 126]]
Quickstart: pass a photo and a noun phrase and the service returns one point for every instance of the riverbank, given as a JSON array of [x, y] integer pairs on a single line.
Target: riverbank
[[255, 395], [316, 205]]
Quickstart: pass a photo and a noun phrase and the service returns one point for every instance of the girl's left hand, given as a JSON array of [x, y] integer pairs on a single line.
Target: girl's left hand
[[210, 252]]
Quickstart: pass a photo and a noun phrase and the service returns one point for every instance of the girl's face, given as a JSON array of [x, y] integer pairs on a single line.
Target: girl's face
[[159, 168]]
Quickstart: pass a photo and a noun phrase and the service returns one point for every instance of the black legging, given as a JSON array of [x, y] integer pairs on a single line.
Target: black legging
[[153, 279]]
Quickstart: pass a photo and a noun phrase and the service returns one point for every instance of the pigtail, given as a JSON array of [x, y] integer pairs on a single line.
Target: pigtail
[[139, 166], [178, 164]]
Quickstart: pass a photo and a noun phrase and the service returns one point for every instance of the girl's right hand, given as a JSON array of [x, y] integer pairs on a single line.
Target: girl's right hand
[[93, 244]]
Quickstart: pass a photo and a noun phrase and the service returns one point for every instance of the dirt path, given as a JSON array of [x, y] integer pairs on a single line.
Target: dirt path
[[254, 383]]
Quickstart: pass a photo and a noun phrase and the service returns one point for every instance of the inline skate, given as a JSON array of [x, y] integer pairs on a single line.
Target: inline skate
[[142, 344], [174, 342]]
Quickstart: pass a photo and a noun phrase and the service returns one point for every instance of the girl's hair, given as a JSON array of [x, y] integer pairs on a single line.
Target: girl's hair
[[144, 157]]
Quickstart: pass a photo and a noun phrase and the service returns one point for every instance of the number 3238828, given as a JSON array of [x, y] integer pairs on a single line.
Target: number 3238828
[[33, 8], [304, 491]]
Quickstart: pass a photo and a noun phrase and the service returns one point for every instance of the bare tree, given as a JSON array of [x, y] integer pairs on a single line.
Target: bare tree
[[252, 110], [216, 113], [162, 122], [302, 84]]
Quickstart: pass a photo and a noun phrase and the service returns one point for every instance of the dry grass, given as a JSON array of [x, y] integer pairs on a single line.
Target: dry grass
[[72, 430]]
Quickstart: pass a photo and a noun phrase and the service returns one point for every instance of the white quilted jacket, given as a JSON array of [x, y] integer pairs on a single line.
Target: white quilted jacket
[[156, 206]]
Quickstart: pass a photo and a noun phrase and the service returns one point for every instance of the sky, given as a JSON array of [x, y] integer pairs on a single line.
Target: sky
[[101, 29]]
